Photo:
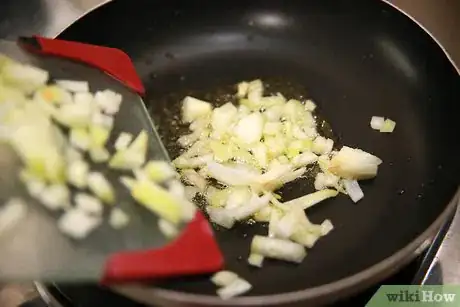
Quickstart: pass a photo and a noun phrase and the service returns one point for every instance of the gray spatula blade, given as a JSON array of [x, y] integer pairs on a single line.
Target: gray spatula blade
[[35, 248]]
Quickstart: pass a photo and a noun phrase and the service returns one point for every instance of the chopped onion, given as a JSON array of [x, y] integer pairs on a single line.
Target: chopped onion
[[304, 159], [193, 108], [223, 117], [118, 218], [278, 249], [159, 171], [77, 173], [88, 204], [322, 145], [193, 178], [99, 135], [312, 199], [158, 200], [224, 278], [75, 115], [25, 77], [77, 224], [123, 141], [249, 129], [222, 217], [325, 180], [377, 122], [230, 175], [310, 105], [101, 187], [236, 288], [255, 204], [79, 137], [353, 190], [55, 197], [108, 101], [11, 213], [132, 157], [168, 229], [388, 126], [287, 225], [256, 260], [102, 120], [73, 86], [99, 154], [352, 163], [238, 196]]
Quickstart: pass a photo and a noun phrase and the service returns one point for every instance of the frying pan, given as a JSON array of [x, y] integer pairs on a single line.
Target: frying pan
[[356, 59]]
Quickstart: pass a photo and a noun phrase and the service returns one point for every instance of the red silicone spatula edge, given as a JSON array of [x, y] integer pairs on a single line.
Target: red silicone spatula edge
[[112, 61]]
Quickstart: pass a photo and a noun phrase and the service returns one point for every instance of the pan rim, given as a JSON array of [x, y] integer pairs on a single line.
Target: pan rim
[[338, 288]]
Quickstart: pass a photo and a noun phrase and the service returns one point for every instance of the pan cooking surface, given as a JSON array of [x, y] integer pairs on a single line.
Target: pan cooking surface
[[355, 60]]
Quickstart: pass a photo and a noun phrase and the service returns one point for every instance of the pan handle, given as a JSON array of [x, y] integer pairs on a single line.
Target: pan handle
[[112, 61]]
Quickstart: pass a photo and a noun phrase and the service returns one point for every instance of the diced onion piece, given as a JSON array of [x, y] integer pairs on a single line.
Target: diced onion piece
[[249, 129], [322, 145], [99, 135], [287, 225], [193, 178], [123, 140], [55, 197], [35, 187], [388, 126], [128, 182], [101, 187], [108, 101], [26, 77], [255, 204], [99, 154], [325, 180], [353, 189], [237, 287], [260, 154], [263, 215], [11, 213], [278, 249], [222, 217], [224, 278], [75, 115], [223, 117], [52, 94], [230, 175], [326, 227], [132, 157], [352, 163], [304, 159], [193, 108], [77, 173], [312, 199], [158, 200], [159, 171], [118, 218], [88, 204], [255, 92], [79, 137], [377, 122], [77, 224], [256, 260], [73, 86], [73, 155], [103, 120], [310, 105], [243, 88], [83, 98], [238, 196], [167, 228]]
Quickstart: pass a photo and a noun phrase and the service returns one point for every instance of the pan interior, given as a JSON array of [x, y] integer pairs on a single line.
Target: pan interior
[[355, 59]]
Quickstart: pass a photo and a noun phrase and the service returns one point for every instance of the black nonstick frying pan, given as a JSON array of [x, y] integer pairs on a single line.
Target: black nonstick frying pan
[[356, 59]]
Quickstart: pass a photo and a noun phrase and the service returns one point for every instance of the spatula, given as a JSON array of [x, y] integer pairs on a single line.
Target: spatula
[[36, 249]]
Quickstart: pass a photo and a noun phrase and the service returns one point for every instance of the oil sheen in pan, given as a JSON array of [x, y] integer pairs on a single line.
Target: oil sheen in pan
[[166, 113]]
